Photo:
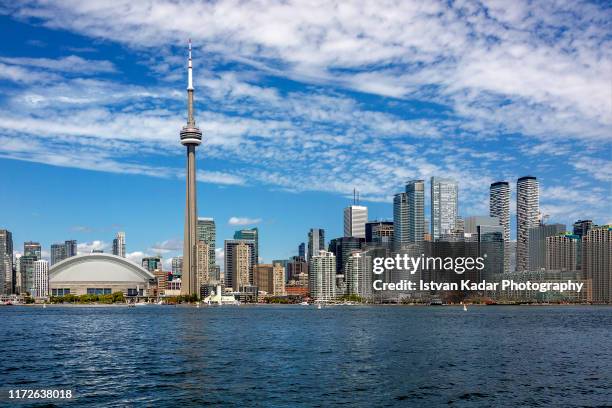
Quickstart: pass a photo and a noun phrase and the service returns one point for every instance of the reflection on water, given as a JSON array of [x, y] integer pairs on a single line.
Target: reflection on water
[[301, 356]]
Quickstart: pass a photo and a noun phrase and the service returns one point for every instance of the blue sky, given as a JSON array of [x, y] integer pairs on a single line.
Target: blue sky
[[298, 105]]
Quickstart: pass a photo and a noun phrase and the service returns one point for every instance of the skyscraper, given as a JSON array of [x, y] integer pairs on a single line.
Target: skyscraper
[[177, 266], [252, 235], [581, 227], [191, 137], [316, 241], [322, 277], [151, 263], [6, 262], [59, 252], [562, 252], [415, 191], [597, 262], [31, 248], [355, 218], [379, 233], [41, 279], [204, 268], [499, 207], [444, 206], [401, 231], [302, 250], [536, 249], [207, 232], [527, 217], [342, 248], [119, 244], [239, 262]]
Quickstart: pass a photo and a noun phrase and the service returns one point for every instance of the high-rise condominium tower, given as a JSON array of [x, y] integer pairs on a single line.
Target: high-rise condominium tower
[[316, 241], [6, 262], [499, 207], [207, 232], [355, 218], [251, 235], [191, 137], [41, 279], [527, 217], [401, 232], [322, 276], [239, 263], [444, 206], [415, 191], [119, 244]]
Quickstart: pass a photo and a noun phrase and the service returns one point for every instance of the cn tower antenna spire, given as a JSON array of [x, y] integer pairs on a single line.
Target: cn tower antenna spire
[[189, 70]]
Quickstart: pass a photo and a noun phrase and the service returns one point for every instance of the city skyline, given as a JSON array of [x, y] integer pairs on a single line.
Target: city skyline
[[250, 112]]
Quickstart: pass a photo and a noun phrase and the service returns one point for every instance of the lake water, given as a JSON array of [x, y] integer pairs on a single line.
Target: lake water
[[355, 356]]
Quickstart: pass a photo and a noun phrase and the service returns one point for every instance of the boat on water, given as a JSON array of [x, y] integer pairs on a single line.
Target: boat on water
[[464, 307], [141, 304], [436, 302], [304, 304], [319, 306]]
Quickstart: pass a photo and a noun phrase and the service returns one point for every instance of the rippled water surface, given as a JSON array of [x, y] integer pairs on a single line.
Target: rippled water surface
[[301, 356]]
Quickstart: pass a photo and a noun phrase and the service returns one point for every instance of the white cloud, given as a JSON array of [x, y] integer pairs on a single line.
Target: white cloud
[[87, 247], [72, 63], [243, 221]]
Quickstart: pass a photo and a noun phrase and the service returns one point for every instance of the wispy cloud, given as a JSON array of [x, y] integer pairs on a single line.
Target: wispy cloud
[[243, 221]]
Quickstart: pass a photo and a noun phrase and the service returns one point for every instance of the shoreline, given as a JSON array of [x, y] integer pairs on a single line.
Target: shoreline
[[192, 305]]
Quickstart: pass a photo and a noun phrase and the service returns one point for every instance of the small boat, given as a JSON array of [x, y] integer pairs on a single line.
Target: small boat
[[319, 306], [464, 307], [141, 304], [44, 305], [304, 304], [198, 305]]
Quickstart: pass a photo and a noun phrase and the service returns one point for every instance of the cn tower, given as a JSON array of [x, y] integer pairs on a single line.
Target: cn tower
[[191, 137]]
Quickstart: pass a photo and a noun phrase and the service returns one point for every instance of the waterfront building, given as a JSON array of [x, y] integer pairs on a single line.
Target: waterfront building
[[6, 262], [302, 250], [203, 267], [444, 206], [270, 278], [499, 207], [26, 266], [322, 278], [239, 263], [207, 232], [562, 252], [415, 192], [316, 241], [296, 267], [355, 218], [40, 287], [597, 262], [358, 274], [527, 217], [251, 235], [191, 137], [537, 244], [119, 244], [401, 231], [99, 274]]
